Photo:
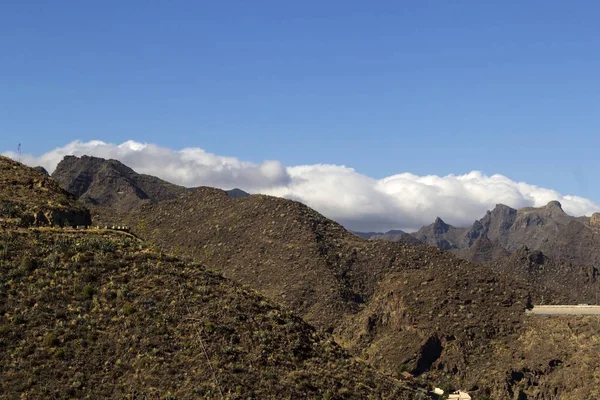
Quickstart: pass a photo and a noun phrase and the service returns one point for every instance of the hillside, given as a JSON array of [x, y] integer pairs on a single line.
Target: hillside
[[100, 314], [537, 268], [29, 197], [403, 308]]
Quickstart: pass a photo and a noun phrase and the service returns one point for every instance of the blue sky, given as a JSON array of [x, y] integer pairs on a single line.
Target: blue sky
[[427, 87]]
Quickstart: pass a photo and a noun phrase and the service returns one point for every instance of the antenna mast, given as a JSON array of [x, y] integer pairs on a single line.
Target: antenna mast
[[19, 150]]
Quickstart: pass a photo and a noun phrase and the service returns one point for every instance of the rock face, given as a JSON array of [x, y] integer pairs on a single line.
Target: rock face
[[595, 220], [109, 183], [29, 197]]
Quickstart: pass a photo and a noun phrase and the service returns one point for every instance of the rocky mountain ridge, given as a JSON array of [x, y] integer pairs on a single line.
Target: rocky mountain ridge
[[505, 230]]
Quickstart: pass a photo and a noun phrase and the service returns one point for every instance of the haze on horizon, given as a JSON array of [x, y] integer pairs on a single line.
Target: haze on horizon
[[379, 117]]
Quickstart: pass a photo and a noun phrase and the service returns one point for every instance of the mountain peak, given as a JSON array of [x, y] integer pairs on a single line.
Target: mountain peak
[[503, 209], [554, 204], [439, 226], [98, 182]]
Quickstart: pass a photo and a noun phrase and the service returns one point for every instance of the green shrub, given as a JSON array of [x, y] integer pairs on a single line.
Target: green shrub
[[128, 309], [27, 264], [88, 292], [51, 340]]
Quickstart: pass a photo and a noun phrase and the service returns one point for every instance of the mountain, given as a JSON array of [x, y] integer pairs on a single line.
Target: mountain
[[42, 170], [402, 308], [440, 234], [29, 197], [483, 250], [237, 193], [100, 314], [109, 183], [541, 270], [367, 235], [450, 322], [505, 230], [397, 236]]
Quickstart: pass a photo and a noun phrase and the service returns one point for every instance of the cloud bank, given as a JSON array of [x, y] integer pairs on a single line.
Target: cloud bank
[[403, 201]]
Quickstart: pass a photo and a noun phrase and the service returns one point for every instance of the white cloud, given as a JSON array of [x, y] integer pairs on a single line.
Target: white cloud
[[402, 201]]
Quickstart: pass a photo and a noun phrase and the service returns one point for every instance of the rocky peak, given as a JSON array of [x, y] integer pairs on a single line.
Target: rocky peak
[[440, 227], [503, 210], [109, 183], [554, 206]]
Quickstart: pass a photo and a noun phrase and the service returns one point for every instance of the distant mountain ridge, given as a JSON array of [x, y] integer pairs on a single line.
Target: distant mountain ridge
[[505, 230]]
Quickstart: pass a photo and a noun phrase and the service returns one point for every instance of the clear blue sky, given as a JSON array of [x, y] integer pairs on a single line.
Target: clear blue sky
[[429, 87]]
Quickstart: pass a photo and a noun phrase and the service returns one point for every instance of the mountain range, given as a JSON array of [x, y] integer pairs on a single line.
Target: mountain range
[[98, 313], [389, 308]]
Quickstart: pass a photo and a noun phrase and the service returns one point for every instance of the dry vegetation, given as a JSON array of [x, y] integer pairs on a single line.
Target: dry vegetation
[[402, 308], [28, 197], [99, 314]]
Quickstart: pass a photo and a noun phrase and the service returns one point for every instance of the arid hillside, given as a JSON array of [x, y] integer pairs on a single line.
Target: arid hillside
[[101, 314], [402, 308]]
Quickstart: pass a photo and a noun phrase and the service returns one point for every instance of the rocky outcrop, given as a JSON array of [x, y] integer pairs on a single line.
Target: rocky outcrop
[[109, 183], [595, 220]]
